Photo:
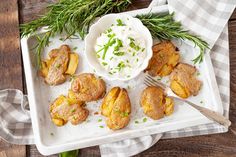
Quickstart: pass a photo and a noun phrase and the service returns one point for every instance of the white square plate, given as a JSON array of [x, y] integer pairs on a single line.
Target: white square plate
[[51, 139]]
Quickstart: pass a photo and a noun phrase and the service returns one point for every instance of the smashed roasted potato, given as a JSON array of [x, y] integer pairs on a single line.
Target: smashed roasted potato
[[86, 87], [116, 107], [155, 104], [73, 63], [165, 58], [183, 81], [63, 110], [61, 62]]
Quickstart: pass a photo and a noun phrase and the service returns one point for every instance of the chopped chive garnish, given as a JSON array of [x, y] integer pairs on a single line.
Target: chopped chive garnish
[[128, 76], [131, 39], [72, 111], [118, 53], [111, 58], [120, 65], [134, 46], [104, 63], [201, 102], [136, 122], [101, 126], [109, 30], [159, 78], [110, 43], [137, 60], [110, 73], [99, 120], [125, 114], [75, 48], [119, 22], [143, 49], [133, 54], [51, 134]]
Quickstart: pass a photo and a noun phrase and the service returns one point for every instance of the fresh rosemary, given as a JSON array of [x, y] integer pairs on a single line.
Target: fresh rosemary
[[75, 16], [164, 27], [71, 17]]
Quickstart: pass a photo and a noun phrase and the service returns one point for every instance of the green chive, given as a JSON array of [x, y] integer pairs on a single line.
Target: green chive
[[119, 53], [75, 48], [104, 63], [119, 22], [99, 120]]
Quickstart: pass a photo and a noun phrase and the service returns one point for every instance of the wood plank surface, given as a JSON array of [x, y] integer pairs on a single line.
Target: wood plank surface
[[218, 145], [10, 62]]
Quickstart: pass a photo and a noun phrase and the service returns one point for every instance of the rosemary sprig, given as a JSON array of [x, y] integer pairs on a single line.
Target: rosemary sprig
[[164, 27], [71, 17]]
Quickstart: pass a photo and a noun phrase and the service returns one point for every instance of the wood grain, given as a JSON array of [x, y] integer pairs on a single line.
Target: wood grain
[[10, 62], [218, 145]]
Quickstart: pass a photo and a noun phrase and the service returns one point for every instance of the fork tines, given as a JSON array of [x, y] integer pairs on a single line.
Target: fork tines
[[150, 81]]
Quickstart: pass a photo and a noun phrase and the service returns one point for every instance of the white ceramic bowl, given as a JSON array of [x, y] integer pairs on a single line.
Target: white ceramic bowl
[[103, 24]]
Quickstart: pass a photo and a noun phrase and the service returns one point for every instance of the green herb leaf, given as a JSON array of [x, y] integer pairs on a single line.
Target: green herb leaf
[[118, 53], [101, 126], [71, 17], [144, 119], [121, 65], [75, 48], [119, 22], [104, 63], [99, 120], [136, 122]]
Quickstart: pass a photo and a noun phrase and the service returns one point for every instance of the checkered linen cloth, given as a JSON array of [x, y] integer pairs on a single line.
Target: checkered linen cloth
[[205, 18]]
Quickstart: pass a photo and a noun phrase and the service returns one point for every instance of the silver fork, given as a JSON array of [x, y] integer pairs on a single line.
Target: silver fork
[[149, 81]]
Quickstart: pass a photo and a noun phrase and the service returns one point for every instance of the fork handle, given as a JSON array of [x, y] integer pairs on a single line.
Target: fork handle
[[211, 114]]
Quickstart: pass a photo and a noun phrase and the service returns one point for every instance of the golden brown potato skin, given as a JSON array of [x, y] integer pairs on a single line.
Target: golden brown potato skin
[[183, 80], [58, 66], [116, 107], [155, 104], [164, 59], [61, 62], [62, 111], [86, 87]]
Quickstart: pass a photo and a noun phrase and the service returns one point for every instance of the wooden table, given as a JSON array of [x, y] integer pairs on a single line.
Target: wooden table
[[13, 12]]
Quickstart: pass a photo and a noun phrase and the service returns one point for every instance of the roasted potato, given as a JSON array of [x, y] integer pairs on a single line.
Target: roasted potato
[[155, 104], [73, 63], [61, 62], [183, 81], [58, 67], [63, 110], [116, 107], [169, 106], [86, 87], [164, 59]]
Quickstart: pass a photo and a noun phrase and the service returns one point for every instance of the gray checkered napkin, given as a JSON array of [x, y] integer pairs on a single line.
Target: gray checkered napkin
[[209, 16]]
